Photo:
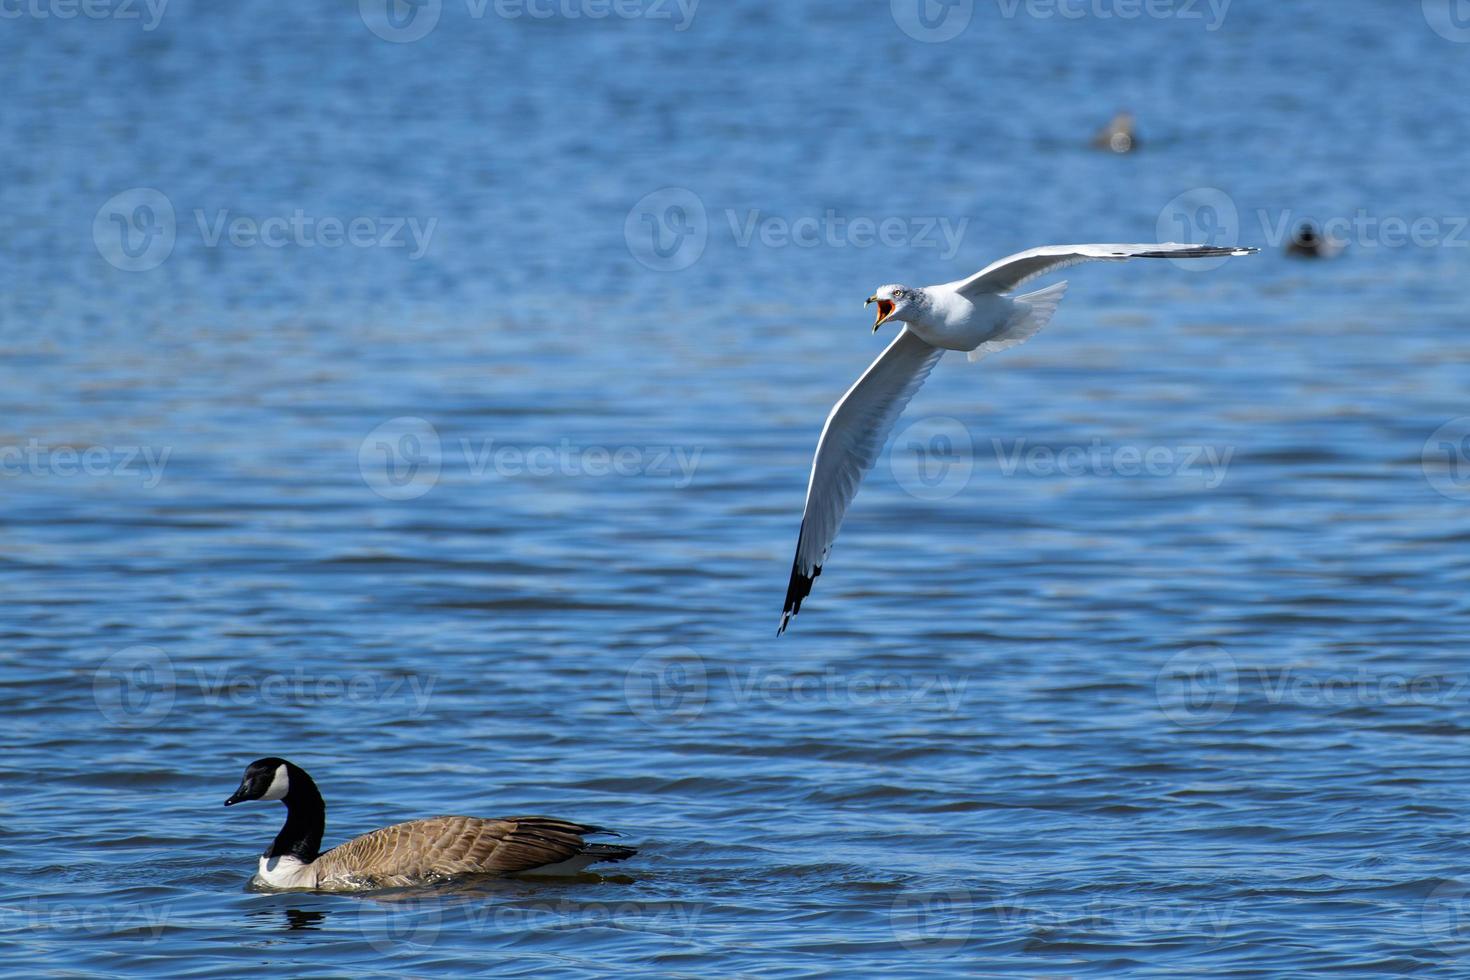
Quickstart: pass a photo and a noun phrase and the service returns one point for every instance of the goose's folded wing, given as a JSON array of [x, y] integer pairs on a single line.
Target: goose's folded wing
[[1014, 270], [455, 845], [854, 435]]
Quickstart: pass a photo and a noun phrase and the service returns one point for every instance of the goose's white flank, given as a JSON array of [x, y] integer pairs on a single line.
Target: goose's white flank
[[413, 853], [976, 315]]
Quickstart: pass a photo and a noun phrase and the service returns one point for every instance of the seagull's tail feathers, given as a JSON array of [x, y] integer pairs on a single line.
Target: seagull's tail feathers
[[1033, 311]]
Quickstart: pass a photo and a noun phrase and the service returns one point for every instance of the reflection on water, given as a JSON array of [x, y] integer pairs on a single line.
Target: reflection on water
[[295, 919]]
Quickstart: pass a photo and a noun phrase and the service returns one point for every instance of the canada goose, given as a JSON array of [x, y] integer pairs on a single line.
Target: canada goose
[[416, 852]]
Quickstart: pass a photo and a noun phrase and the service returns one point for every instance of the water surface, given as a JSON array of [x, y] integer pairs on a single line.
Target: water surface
[[1155, 664]]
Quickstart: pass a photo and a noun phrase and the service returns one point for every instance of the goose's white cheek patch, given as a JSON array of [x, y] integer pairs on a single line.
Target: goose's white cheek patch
[[279, 786]]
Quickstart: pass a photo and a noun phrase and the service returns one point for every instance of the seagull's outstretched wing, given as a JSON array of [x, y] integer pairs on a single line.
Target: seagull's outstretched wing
[[850, 443], [1012, 271]]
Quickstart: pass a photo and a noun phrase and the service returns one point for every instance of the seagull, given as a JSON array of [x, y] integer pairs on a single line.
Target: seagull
[[976, 315]]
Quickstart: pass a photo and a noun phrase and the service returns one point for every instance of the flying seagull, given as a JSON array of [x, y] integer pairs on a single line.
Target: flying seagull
[[974, 315]]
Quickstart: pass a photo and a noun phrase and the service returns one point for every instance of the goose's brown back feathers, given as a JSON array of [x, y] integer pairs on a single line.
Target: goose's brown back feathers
[[443, 847]]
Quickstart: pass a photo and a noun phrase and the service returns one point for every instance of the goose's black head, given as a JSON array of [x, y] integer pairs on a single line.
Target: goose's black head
[[265, 779]]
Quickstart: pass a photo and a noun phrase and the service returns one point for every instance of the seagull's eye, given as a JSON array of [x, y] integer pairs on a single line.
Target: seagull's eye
[[898, 294]]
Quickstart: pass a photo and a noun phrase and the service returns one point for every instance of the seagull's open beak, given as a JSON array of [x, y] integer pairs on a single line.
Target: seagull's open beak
[[885, 310]]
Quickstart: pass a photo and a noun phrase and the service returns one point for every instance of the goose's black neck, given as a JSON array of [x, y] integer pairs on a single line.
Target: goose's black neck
[[306, 819]]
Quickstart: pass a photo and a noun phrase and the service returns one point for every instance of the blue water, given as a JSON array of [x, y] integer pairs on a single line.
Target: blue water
[[1142, 652]]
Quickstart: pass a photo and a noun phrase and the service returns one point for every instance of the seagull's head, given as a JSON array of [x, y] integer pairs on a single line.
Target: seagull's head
[[894, 303]]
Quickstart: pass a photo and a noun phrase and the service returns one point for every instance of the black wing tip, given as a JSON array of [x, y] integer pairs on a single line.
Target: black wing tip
[[1202, 252], [797, 589]]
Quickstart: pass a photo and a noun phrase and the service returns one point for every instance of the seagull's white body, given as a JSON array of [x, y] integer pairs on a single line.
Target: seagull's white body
[[959, 322], [977, 315]]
